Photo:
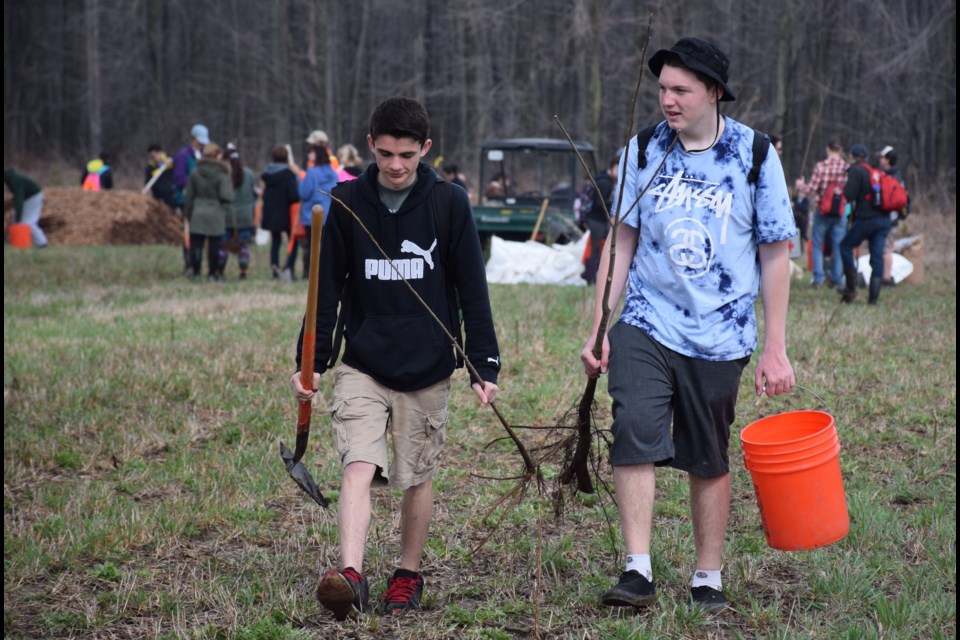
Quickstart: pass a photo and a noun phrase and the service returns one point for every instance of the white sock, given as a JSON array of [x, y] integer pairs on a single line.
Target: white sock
[[640, 562], [704, 578]]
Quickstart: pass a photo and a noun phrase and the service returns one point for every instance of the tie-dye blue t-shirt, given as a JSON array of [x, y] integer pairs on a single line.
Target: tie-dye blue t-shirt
[[696, 272]]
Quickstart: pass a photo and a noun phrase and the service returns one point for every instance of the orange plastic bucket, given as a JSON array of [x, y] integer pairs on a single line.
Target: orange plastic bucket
[[794, 461], [20, 235]]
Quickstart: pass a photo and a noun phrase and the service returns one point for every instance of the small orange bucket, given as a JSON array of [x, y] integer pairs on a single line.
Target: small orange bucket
[[20, 235], [794, 461]]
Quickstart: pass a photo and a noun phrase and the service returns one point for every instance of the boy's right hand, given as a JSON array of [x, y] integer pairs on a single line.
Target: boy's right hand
[[593, 367], [304, 395]]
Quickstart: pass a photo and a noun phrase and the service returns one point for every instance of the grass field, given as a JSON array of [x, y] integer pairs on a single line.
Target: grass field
[[144, 496]]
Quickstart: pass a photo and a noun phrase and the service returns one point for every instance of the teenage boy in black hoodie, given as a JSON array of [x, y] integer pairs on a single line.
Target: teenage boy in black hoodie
[[397, 364]]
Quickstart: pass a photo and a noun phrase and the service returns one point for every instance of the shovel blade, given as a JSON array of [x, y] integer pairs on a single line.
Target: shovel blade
[[302, 477]]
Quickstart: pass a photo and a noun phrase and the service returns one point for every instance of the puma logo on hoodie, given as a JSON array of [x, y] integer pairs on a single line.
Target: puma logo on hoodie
[[411, 247], [406, 269]]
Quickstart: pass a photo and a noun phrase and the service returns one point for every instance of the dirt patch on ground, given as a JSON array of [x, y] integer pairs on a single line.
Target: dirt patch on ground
[[74, 217]]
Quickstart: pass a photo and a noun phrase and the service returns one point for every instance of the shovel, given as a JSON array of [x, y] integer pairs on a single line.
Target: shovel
[[156, 176], [292, 461]]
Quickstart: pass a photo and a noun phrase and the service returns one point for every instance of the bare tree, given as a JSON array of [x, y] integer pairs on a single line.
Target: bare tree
[[882, 72]]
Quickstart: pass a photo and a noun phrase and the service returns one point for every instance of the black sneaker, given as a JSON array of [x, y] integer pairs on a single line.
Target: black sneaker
[[343, 591], [404, 590], [633, 590], [707, 597]]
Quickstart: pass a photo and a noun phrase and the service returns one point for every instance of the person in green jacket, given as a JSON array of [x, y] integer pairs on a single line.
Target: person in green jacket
[[240, 214], [27, 204], [209, 192]]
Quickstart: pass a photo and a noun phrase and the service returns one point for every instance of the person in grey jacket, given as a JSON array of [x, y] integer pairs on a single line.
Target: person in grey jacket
[[208, 193]]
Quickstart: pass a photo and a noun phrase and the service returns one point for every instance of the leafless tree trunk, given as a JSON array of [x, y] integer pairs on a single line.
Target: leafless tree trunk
[[269, 73], [91, 19]]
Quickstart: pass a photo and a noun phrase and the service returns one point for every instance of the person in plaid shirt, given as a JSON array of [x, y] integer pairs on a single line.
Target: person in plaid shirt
[[826, 174]]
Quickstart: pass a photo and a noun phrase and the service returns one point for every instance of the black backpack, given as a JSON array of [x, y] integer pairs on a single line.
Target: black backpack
[[442, 194], [761, 145]]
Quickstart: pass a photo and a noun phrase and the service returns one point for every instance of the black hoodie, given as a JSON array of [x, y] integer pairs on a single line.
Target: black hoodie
[[279, 192], [389, 334]]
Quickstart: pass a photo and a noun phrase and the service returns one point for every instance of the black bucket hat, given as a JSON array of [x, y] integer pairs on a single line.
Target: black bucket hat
[[700, 56]]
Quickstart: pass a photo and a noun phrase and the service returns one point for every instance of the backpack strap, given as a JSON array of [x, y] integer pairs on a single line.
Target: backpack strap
[[761, 145], [442, 193], [341, 314], [643, 139]]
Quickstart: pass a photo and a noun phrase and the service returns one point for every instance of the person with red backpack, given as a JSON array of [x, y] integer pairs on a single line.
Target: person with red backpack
[[887, 159], [870, 222], [826, 184]]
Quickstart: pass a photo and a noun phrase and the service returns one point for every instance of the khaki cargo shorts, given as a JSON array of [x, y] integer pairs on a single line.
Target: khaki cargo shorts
[[364, 411]]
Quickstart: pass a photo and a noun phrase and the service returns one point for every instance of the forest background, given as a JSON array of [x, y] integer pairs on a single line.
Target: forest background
[[114, 75]]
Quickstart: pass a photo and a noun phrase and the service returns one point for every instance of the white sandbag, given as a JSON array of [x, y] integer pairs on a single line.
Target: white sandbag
[[535, 263], [900, 269]]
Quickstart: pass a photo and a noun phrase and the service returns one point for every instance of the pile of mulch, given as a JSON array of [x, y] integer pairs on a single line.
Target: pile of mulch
[[74, 217]]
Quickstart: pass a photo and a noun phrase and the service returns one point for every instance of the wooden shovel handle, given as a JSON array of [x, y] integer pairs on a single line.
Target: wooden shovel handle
[[543, 210], [310, 320]]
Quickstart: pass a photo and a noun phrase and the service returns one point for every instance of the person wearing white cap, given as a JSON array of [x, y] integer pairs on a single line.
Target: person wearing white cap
[[319, 137], [887, 158], [186, 158]]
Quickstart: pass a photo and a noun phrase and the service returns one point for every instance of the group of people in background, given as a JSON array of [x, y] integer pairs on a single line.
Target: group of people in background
[[218, 198], [838, 202]]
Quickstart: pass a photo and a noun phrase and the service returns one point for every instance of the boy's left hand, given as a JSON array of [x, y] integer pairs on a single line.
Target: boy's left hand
[[486, 392]]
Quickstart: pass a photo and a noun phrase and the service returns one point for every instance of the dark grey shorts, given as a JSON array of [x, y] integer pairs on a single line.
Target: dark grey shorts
[[652, 387]]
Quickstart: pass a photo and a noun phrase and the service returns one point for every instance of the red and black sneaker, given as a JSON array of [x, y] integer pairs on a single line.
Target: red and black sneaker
[[403, 593], [343, 591]]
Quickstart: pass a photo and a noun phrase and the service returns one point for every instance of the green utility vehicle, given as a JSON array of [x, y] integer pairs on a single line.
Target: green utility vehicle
[[517, 175]]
